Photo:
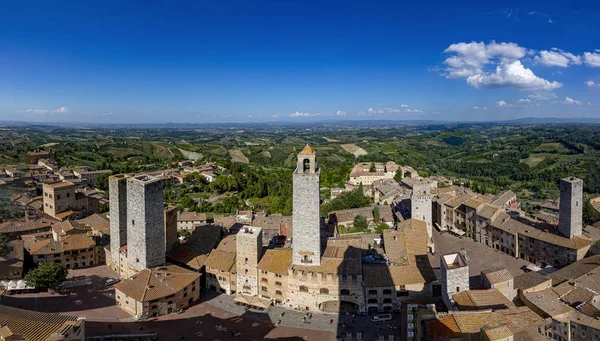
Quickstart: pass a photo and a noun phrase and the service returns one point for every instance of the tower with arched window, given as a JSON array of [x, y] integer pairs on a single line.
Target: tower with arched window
[[306, 235]]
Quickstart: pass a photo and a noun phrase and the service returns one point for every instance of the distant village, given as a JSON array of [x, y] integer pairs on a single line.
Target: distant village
[[164, 258]]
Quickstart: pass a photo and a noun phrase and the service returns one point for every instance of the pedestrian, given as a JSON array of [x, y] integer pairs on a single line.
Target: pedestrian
[[330, 322], [282, 314], [310, 316]]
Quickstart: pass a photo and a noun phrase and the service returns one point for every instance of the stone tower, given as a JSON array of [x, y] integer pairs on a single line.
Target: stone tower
[[145, 222], [248, 252], [306, 220], [117, 195], [454, 276], [420, 204], [570, 219]]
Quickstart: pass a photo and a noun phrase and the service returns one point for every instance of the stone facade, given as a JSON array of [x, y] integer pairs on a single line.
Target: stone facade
[[145, 222], [421, 207], [306, 240], [170, 218], [61, 196], [117, 193], [454, 277], [249, 247], [570, 223]]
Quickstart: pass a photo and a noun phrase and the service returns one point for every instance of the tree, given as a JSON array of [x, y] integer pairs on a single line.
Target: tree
[[4, 247], [360, 223], [372, 169], [376, 214], [101, 182], [47, 275], [185, 234]]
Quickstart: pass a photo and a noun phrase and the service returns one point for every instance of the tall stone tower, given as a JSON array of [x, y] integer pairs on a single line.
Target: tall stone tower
[[454, 276], [117, 195], [248, 252], [145, 222], [570, 219], [306, 233], [420, 204]]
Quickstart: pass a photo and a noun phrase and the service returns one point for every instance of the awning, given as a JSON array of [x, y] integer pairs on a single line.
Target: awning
[[260, 302], [457, 231], [243, 299]]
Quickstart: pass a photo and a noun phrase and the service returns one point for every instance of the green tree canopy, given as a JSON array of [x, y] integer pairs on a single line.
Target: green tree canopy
[[4, 247], [101, 182], [372, 168], [376, 214], [360, 223], [47, 275]]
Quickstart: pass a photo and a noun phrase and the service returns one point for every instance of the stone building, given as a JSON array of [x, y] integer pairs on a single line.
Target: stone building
[[11, 265], [454, 277], [117, 193], [500, 279], [62, 201], [249, 252], [170, 226], [221, 274], [158, 291], [72, 251], [28, 325], [189, 220], [421, 206], [306, 234], [570, 222], [273, 274], [145, 222]]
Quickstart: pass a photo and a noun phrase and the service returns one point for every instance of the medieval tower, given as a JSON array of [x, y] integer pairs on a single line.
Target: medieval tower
[[570, 219], [454, 277], [248, 253], [145, 222], [420, 204], [306, 220], [117, 193]]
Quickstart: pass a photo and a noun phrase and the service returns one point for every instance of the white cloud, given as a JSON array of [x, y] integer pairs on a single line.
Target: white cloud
[[524, 101], [275, 115], [502, 104], [511, 74], [303, 114], [370, 111], [475, 107], [592, 58], [569, 100], [46, 111], [471, 60], [340, 113], [388, 111], [404, 106], [542, 96], [107, 113], [558, 58], [590, 83]]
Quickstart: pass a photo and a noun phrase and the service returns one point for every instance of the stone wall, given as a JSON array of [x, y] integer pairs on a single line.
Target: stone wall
[[570, 221], [248, 253], [117, 193], [421, 206], [145, 222], [453, 279], [312, 290], [306, 241]]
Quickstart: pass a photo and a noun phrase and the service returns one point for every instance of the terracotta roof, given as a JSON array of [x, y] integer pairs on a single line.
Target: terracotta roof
[[474, 203], [228, 244], [32, 325], [481, 300], [522, 316], [576, 270], [336, 260], [155, 283], [497, 333], [65, 214], [98, 222], [197, 262], [503, 198], [191, 216], [498, 276], [69, 227], [457, 201], [68, 243], [60, 184], [220, 260], [381, 275], [403, 245], [488, 211], [277, 261], [344, 216], [23, 226], [548, 302], [307, 151], [529, 280]]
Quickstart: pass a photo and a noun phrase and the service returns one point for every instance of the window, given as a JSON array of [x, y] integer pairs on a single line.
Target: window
[[185, 294], [324, 291], [303, 288], [264, 289], [401, 293], [387, 291], [344, 292], [68, 195], [372, 292], [58, 197], [387, 300], [264, 280], [457, 289], [278, 292], [278, 283], [132, 222], [372, 301]]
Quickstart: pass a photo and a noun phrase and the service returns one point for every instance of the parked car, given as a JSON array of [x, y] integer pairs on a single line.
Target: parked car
[[381, 318], [110, 281]]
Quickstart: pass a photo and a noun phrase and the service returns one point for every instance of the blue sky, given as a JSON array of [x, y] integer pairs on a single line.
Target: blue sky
[[297, 61]]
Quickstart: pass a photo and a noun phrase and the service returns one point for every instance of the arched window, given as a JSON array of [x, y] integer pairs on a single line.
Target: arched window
[[303, 288], [278, 292], [306, 165], [324, 291], [345, 292]]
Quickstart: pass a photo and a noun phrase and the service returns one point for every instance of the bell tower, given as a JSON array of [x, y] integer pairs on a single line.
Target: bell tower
[[306, 233]]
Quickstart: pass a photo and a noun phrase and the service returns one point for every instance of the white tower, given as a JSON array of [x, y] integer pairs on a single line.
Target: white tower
[[306, 235], [420, 204]]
